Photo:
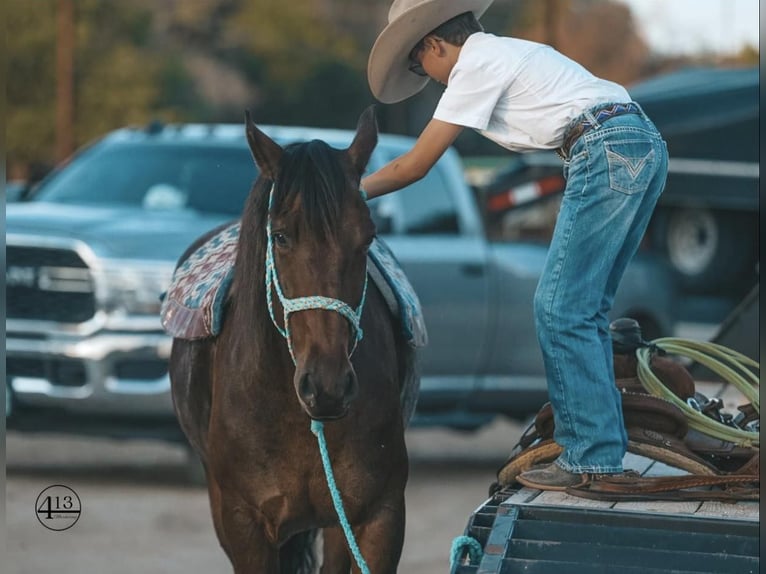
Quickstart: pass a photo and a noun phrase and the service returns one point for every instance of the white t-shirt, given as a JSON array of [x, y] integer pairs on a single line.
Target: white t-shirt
[[520, 94]]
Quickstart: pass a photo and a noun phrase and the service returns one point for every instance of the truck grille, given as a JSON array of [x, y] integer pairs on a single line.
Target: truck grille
[[61, 372], [48, 284]]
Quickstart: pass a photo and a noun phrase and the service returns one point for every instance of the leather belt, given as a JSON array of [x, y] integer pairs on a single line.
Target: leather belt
[[585, 124]]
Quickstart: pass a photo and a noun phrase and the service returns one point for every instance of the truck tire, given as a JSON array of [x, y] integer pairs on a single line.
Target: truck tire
[[711, 251]]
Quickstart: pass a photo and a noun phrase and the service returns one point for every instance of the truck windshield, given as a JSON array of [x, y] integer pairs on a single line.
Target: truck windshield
[[206, 179]]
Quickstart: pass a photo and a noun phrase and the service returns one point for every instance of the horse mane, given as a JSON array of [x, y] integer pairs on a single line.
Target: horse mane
[[309, 171]]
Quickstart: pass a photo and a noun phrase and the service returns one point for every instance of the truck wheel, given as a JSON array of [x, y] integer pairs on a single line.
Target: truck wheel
[[710, 250]]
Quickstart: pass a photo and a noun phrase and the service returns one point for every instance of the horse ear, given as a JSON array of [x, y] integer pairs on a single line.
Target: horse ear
[[365, 140], [266, 152]]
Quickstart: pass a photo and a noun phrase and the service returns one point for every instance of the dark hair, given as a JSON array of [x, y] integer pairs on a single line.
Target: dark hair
[[312, 171], [455, 30]]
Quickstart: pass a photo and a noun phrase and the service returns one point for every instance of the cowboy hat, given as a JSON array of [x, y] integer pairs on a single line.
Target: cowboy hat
[[408, 22]]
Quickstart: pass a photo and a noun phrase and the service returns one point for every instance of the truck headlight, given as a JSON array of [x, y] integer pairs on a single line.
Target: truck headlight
[[134, 288]]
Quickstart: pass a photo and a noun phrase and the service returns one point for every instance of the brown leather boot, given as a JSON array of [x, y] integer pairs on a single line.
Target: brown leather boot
[[552, 477]]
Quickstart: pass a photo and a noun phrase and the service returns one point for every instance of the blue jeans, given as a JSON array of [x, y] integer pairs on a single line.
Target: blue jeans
[[615, 174]]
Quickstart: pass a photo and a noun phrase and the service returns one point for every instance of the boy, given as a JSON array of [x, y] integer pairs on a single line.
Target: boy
[[526, 96]]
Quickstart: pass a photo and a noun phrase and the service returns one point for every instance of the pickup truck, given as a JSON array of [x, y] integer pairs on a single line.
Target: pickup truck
[[90, 249]]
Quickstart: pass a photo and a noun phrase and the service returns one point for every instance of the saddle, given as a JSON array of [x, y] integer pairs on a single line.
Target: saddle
[[656, 429]]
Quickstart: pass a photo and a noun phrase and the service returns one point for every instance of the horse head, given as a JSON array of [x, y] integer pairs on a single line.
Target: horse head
[[318, 229]]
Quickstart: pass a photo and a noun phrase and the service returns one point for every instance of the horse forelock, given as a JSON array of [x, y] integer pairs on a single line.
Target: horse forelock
[[312, 172]]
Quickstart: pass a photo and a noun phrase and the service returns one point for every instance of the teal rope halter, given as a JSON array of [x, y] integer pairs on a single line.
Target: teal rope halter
[[353, 316]]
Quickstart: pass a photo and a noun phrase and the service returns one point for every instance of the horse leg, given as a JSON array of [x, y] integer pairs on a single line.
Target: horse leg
[[335, 556], [246, 543], [381, 538], [214, 494]]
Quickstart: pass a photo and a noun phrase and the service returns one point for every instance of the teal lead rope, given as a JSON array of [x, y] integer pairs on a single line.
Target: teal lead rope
[[463, 543], [354, 317], [318, 429]]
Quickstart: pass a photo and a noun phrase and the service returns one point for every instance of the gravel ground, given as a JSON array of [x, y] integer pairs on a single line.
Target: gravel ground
[[139, 513]]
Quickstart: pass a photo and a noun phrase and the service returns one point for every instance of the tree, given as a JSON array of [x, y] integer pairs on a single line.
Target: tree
[[119, 75], [599, 34], [298, 62], [30, 127], [309, 66]]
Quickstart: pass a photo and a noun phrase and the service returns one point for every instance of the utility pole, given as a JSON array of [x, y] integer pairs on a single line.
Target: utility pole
[[64, 79]]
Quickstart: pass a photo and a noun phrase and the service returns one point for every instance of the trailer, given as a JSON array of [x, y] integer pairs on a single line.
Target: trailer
[[536, 532], [521, 529], [551, 533]]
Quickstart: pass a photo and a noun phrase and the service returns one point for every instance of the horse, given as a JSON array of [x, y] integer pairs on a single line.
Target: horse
[[245, 399]]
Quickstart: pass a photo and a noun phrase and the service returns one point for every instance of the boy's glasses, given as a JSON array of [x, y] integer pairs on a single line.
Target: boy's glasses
[[415, 66]]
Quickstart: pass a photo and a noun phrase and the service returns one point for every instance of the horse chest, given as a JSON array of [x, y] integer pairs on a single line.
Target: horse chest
[[285, 481]]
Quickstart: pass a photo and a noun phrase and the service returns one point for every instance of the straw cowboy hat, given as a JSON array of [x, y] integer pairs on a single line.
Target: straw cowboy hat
[[408, 22]]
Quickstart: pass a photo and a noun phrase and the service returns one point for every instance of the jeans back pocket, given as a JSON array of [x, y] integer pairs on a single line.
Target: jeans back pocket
[[631, 165]]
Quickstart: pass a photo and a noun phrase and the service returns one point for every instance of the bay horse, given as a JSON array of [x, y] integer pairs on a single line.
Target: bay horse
[[245, 399]]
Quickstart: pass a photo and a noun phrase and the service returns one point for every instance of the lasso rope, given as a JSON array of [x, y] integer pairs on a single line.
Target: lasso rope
[[354, 318], [733, 367]]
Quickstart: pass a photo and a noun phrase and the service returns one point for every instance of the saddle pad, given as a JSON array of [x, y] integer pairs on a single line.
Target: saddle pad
[[193, 306], [409, 310]]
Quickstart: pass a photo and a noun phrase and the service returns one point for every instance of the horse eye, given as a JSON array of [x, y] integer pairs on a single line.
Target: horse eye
[[280, 239]]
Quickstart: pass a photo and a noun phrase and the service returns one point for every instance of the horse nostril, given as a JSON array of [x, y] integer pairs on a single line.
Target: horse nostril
[[307, 390]]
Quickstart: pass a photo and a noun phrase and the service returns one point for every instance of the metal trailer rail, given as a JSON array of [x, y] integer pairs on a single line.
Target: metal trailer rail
[[522, 536]]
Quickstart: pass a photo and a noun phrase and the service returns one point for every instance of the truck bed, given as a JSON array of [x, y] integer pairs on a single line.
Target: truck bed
[[527, 530]]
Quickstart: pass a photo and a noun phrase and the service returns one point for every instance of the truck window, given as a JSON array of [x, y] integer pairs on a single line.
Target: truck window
[[206, 179], [427, 206]]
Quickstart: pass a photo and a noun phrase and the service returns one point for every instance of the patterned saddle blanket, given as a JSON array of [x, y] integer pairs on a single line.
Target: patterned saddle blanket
[[193, 306]]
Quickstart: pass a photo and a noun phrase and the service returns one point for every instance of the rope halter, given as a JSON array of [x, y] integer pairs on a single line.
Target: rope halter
[[353, 316]]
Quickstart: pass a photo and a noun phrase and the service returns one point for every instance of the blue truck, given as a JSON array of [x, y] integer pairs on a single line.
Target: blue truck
[[90, 249]]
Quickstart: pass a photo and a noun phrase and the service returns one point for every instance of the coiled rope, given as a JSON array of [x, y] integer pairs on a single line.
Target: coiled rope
[[463, 544], [733, 367]]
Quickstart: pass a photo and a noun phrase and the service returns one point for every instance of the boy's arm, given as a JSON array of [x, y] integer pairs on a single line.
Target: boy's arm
[[415, 164]]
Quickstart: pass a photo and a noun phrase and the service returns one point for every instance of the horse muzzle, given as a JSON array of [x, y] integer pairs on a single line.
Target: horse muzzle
[[324, 396]]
